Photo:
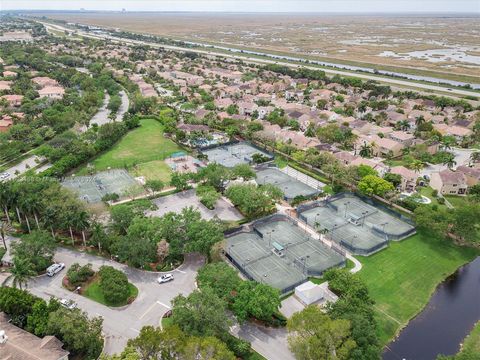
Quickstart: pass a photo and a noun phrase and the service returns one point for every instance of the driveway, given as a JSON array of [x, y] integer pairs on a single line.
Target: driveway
[[121, 324], [462, 157], [23, 166], [271, 343]]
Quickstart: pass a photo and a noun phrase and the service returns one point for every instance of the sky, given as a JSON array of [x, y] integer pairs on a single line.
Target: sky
[[348, 6]]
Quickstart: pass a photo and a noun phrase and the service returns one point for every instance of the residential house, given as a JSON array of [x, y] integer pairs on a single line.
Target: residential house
[[457, 131], [18, 344], [13, 100], [448, 182], [5, 123], [51, 92], [5, 85], [409, 178], [402, 137], [387, 148], [472, 174]]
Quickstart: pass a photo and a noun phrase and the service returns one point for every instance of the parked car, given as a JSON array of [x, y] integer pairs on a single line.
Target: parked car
[[69, 304], [54, 269], [165, 278], [4, 175]]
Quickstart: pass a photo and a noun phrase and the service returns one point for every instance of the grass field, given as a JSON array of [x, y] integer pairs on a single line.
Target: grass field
[[471, 344], [142, 150], [402, 278], [93, 292]]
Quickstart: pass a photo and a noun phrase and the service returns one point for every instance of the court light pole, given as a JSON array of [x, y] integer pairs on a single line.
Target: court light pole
[[346, 207]]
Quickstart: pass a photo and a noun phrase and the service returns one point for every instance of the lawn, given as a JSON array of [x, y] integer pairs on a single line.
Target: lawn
[[402, 278], [143, 148], [93, 292], [471, 344], [153, 170]]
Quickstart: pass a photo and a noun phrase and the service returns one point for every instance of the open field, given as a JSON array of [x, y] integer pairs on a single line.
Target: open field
[[142, 151], [402, 278], [411, 42]]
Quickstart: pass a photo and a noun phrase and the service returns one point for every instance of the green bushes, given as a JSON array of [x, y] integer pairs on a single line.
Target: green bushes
[[356, 306], [77, 274], [208, 196], [252, 200], [81, 336], [114, 285]]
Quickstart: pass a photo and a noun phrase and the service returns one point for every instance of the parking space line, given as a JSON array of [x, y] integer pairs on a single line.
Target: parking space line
[[168, 307], [146, 312], [138, 331]]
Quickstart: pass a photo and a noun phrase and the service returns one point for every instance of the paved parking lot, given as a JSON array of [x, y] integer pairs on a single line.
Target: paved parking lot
[[121, 324], [177, 202]]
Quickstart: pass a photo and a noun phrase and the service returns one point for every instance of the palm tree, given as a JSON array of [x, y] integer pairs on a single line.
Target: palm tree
[[49, 219], [419, 120], [3, 233], [365, 150], [474, 157], [450, 161], [5, 198], [403, 125], [81, 222], [447, 142], [21, 272], [417, 165]]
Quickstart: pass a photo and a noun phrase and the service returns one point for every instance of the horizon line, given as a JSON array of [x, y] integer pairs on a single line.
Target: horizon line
[[242, 12]]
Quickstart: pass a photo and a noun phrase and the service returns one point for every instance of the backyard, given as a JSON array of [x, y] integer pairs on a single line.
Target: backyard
[[141, 151], [402, 278]]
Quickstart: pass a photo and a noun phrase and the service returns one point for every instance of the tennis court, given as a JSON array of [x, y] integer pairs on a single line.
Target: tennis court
[[92, 188], [290, 186], [356, 225], [230, 155], [279, 253]]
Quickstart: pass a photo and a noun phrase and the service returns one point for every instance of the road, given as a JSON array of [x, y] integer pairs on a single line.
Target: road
[[462, 157], [121, 324], [23, 166], [124, 106], [244, 57]]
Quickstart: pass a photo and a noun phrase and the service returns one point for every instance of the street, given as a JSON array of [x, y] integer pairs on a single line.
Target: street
[[121, 324]]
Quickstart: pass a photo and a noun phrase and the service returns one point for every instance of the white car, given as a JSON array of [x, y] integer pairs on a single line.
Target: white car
[[69, 304], [53, 269], [4, 175], [165, 278]]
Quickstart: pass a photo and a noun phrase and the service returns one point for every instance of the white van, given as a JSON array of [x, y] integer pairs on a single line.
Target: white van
[[55, 268]]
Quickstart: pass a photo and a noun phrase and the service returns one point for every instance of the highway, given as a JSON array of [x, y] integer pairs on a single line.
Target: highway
[[244, 57]]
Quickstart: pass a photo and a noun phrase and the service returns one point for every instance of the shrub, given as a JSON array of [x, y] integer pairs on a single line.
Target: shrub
[[208, 196], [435, 193], [77, 274], [441, 200], [114, 285]]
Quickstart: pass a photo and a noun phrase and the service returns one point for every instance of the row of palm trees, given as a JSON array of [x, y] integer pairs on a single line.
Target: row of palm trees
[[45, 205]]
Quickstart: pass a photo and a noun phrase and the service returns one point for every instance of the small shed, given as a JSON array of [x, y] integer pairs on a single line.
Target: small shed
[[309, 293]]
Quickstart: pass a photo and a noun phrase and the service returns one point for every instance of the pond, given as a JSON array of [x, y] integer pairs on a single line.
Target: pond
[[448, 318]]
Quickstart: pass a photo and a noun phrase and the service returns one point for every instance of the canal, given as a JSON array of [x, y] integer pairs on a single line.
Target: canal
[[447, 319]]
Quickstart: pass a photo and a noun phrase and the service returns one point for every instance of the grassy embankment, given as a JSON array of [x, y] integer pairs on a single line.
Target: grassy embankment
[[402, 278]]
